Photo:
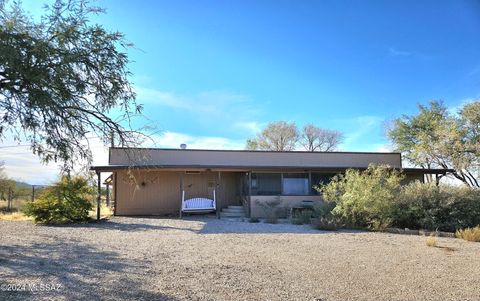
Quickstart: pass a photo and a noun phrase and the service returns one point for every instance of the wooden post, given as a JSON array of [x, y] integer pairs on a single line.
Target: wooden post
[[310, 184], [9, 203], [108, 195], [181, 195], [218, 193], [250, 193], [99, 195], [114, 193], [33, 193]]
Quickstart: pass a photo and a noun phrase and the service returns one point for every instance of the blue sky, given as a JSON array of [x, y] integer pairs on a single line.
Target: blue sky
[[230, 66], [212, 73]]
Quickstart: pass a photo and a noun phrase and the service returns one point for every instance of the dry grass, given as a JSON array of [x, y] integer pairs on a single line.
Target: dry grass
[[431, 241], [470, 234], [14, 216], [17, 204], [104, 211]]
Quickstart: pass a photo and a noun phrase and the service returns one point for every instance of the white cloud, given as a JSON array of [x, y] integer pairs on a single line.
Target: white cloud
[[21, 164], [363, 126], [383, 148], [251, 126], [216, 107], [454, 109], [173, 140], [215, 102]]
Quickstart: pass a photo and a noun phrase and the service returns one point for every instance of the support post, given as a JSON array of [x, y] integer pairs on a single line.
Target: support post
[[33, 193], [107, 196], [99, 195], [114, 193], [181, 195], [9, 203], [218, 199], [310, 184], [250, 193]]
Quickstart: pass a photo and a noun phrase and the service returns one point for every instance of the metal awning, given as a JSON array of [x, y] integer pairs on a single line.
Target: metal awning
[[111, 168]]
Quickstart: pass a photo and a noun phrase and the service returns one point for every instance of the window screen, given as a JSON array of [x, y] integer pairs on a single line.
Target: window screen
[[266, 184], [295, 184], [320, 178]]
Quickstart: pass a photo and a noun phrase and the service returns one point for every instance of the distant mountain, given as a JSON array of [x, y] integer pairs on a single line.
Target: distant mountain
[[22, 184]]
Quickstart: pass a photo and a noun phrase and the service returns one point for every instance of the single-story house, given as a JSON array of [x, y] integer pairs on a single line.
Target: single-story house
[[152, 181]]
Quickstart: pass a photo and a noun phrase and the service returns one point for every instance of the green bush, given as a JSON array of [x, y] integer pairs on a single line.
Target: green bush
[[326, 223], [445, 208], [67, 201], [302, 217], [364, 198], [374, 198]]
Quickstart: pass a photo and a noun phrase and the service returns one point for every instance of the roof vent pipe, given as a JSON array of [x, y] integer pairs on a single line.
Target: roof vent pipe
[[183, 146]]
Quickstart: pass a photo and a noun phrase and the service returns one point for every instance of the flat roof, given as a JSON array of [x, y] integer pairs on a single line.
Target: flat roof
[[246, 159], [110, 168], [246, 150]]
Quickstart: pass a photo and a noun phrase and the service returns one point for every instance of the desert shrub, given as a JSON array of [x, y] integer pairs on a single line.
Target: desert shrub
[[302, 217], [463, 208], [254, 220], [67, 201], [364, 198], [420, 206], [324, 209], [446, 208], [326, 223], [431, 241], [272, 209], [470, 234]]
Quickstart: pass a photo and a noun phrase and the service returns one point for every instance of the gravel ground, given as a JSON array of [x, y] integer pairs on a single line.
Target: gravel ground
[[209, 259]]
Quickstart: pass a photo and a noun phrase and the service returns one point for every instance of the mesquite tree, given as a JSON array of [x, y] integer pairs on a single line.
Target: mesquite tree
[[436, 138], [63, 80]]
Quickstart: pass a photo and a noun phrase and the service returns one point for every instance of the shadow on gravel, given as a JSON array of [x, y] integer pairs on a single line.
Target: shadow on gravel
[[130, 226], [208, 224], [226, 227], [82, 272]]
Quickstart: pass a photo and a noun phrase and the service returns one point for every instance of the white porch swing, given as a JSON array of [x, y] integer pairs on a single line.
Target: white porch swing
[[198, 205]]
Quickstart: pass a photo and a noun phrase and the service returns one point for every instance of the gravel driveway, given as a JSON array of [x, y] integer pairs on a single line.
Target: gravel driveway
[[209, 259]]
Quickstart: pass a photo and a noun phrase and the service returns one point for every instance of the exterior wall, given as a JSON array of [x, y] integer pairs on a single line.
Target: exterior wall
[[286, 202], [258, 159], [159, 192]]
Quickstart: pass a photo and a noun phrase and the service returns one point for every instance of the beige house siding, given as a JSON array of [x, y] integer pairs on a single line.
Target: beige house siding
[[258, 204], [159, 192], [147, 193], [239, 159]]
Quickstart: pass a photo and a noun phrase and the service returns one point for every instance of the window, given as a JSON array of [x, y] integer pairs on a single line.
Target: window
[[295, 184], [266, 183], [320, 178]]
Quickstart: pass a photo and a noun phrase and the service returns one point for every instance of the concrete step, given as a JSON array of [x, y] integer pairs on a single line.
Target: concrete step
[[239, 210], [235, 207], [235, 219], [232, 214]]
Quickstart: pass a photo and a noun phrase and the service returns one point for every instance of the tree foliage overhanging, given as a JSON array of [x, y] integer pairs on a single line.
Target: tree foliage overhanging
[[437, 138], [60, 79]]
